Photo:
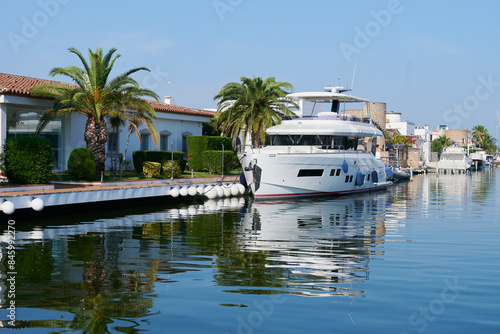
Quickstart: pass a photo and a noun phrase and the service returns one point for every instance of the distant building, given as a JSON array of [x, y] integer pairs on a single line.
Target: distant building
[[424, 143], [459, 137], [20, 112], [394, 122]]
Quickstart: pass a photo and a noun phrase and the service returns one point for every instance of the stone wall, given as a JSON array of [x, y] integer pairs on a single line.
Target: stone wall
[[413, 158], [460, 136], [377, 113]]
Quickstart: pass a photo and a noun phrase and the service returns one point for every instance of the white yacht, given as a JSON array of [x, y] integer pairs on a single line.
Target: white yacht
[[317, 152], [453, 158]]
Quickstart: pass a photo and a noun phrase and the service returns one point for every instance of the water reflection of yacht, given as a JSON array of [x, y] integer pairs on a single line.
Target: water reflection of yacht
[[322, 244], [452, 158]]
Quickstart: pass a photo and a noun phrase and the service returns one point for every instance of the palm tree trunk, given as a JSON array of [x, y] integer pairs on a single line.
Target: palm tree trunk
[[126, 147], [115, 154], [96, 136]]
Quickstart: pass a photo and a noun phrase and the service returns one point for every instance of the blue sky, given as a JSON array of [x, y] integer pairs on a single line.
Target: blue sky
[[436, 62]]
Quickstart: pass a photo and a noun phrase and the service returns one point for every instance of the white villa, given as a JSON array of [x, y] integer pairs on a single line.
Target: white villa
[[394, 122], [20, 112]]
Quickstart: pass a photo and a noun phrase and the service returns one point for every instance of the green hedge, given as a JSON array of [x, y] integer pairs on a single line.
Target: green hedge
[[139, 157], [166, 168], [198, 144], [81, 164], [213, 161], [151, 169], [27, 160]]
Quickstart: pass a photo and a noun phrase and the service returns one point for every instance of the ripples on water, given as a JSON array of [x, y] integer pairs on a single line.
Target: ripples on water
[[239, 266]]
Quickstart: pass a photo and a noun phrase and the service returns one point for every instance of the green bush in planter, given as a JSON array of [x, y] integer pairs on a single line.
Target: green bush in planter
[[81, 164], [156, 156], [166, 167], [151, 169], [27, 160]]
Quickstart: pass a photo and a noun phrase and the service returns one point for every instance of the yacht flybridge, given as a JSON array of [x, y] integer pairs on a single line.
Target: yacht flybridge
[[317, 152]]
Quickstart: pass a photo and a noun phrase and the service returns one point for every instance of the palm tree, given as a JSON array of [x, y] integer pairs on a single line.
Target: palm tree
[[95, 95], [439, 143], [479, 134], [135, 119], [252, 106]]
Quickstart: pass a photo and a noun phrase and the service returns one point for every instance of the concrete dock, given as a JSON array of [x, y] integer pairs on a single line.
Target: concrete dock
[[59, 195]]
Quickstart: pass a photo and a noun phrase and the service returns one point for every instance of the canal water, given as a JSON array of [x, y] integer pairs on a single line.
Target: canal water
[[421, 257]]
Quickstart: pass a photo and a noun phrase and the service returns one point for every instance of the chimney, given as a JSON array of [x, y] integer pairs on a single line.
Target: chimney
[[169, 100]]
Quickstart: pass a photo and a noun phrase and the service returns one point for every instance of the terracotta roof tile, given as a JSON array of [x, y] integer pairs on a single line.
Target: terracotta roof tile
[[20, 85]]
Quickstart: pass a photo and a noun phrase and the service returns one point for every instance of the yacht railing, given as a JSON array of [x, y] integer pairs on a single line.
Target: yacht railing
[[333, 116], [288, 149]]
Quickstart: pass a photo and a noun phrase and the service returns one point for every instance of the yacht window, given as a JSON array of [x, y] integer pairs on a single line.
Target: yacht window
[[335, 172], [310, 172], [352, 143], [350, 178], [346, 178]]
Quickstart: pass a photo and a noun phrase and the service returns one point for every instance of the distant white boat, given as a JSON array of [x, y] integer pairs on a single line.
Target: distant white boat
[[453, 158]]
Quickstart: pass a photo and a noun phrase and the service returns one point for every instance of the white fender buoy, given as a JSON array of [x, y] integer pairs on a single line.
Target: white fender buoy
[[241, 188], [37, 204], [227, 191], [8, 207], [183, 191], [212, 193], [200, 190], [174, 192], [220, 192], [192, 191], [235, 191]]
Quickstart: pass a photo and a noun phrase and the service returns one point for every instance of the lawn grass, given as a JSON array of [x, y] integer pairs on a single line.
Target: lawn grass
[[132, 176]]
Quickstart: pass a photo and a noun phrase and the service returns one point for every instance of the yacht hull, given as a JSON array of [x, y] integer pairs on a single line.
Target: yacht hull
[[271, 172]]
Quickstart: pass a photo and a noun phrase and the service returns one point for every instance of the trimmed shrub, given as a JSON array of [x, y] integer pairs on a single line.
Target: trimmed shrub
[[27, 160], [151, 169], [199, 144], [166, 168], [156, 156], [81, 164], [213, 161]]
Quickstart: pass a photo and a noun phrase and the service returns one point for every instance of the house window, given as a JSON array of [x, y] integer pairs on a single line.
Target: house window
[[164, 142], [112, 142], [145, 141], [184, 145], [23, 122]]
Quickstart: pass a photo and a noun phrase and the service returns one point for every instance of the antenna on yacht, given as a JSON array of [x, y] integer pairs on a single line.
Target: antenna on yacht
[[353, 75], [498, 123]]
